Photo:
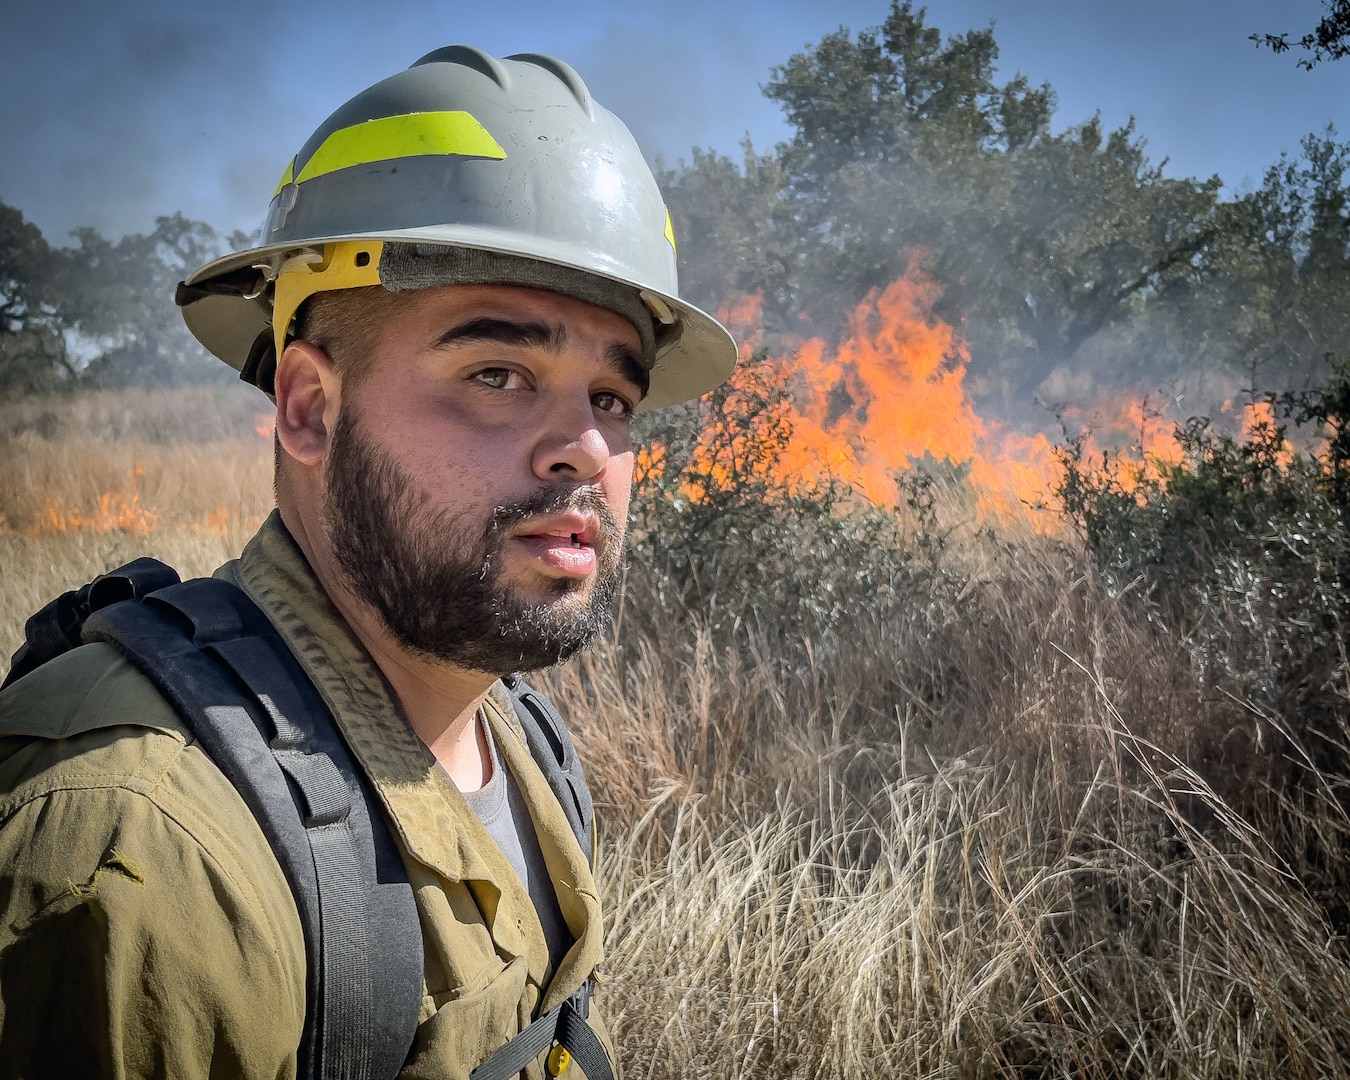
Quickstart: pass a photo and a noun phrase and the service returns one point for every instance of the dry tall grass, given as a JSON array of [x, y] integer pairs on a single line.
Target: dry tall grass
[[987, 825], [94, 481]]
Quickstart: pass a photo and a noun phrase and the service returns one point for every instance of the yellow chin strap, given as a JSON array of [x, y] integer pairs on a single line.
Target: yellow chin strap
[[346, 264]]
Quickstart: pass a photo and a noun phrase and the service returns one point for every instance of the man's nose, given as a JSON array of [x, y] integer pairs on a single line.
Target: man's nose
[[573, 447]]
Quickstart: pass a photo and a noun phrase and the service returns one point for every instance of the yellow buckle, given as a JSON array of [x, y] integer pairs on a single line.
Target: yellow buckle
[[558, 1060]]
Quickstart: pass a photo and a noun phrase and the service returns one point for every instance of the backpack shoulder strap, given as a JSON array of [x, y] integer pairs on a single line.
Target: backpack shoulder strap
[[221, 664], [551, 747]]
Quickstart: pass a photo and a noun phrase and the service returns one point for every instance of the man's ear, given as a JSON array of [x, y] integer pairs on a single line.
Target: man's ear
[[309, 394]]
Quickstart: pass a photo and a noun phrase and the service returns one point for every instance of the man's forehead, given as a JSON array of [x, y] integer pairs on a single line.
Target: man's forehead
[[577, 319]]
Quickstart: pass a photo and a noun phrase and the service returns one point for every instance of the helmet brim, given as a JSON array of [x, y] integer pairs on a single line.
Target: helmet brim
[[688, 364]]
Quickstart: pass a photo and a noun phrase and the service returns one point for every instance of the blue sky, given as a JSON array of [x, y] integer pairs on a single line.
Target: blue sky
[[119, 110]]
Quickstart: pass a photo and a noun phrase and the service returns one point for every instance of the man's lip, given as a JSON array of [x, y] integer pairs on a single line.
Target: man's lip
[[579, 528]]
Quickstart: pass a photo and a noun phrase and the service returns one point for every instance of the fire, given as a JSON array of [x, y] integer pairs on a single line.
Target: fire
[[892, 394], [1259, 425], [893, 391], [1134, 439], [220, 521], [123, 511], [116, 511], [216, 522]]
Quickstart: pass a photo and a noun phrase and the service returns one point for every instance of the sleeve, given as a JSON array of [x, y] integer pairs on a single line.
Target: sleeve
[[137, 940]]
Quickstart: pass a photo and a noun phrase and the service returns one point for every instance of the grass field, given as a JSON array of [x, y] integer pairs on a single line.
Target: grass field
[[976, 816]]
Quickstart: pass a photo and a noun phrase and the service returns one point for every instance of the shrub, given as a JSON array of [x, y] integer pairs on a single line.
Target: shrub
[[1240, 551]]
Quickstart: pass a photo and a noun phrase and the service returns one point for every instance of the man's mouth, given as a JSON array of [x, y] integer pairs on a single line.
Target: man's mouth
[[561, 545]]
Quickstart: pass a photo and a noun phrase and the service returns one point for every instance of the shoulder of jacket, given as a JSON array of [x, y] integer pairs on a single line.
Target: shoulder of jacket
[[84, 690], [89, 727], [85, 720]]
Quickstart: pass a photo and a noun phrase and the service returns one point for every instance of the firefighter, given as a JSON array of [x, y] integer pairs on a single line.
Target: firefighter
[[463, 293]]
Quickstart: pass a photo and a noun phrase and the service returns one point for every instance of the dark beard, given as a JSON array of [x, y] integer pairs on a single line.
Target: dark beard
[[447, 602]]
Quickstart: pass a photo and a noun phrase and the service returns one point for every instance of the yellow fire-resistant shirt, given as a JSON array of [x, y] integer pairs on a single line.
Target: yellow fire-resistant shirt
[[145, 926]]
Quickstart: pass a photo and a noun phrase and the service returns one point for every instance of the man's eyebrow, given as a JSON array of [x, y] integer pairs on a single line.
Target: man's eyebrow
[[506, 332], [621, 358], [628, 364]]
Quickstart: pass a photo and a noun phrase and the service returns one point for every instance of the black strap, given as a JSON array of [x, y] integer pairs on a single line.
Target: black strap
[[579, 1039], [565, 1025], [218, 660], [551, 747], [242, 282]]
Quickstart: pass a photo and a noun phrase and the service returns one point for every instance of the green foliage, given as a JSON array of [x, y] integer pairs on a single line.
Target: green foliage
[[33, 354], [1272, 296], [124, 301], [110, 303], [1328, 40], [1241, 550], [904, 142], [730, 214], [1055, 249]]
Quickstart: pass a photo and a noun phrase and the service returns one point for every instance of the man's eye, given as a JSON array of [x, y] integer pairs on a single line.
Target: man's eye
[[612, 404], [499, 378]]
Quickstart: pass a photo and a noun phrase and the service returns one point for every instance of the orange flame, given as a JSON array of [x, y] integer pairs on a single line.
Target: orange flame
[[891, 394], [1259, 425], [122, 512], [217, 522], [1133, 438], [116, 511]]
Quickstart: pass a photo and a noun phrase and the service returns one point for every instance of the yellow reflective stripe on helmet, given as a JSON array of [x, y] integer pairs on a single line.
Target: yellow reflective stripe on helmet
[[410, 135], [670, 231], [348, 264], [287, 177]]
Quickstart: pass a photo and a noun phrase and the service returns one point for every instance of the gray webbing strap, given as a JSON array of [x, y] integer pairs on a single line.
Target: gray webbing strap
[[566, 1025], [346, 990], [342, 909], [511, 1057], [551, 747], [579, 1039]]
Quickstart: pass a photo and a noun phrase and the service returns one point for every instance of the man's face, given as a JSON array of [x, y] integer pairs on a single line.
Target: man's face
[[478, 479]]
